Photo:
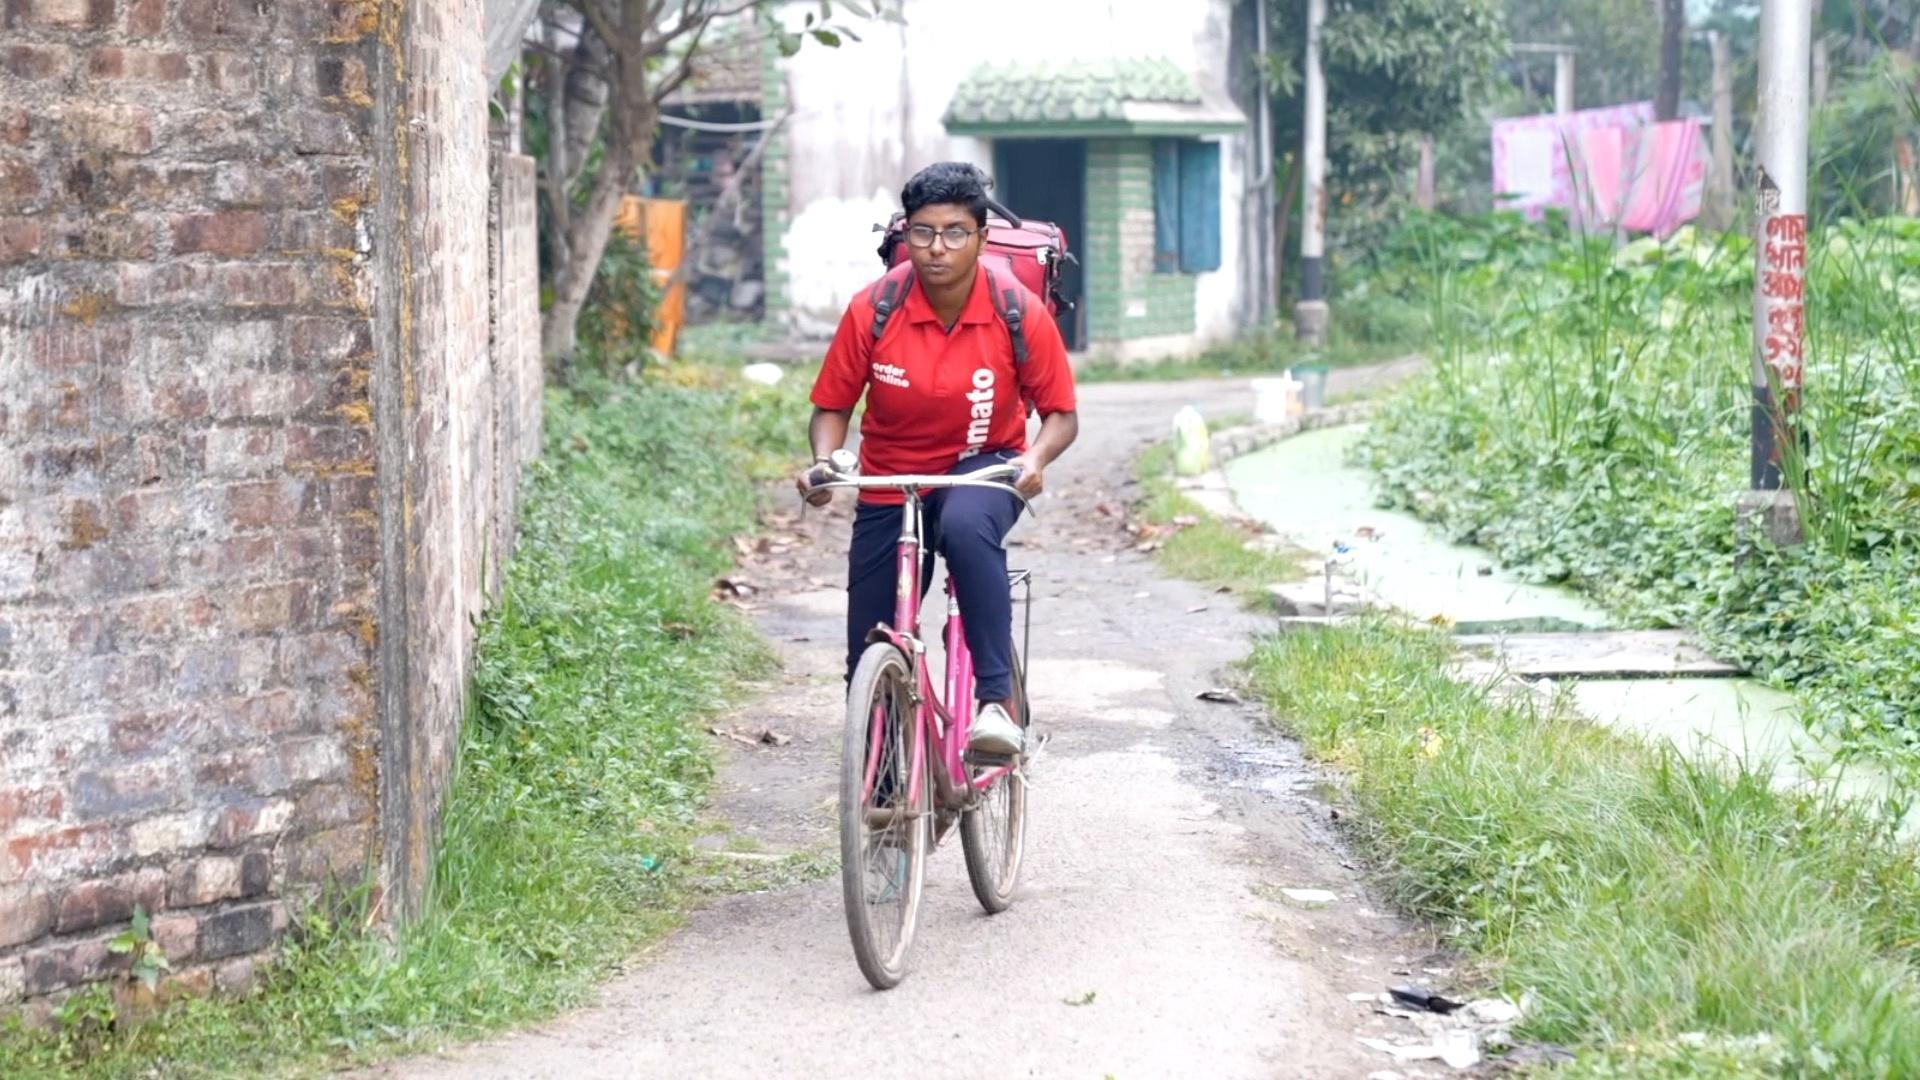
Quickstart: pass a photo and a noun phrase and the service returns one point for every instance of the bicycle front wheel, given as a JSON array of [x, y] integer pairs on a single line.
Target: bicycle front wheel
[[993, 833], [883, 815]]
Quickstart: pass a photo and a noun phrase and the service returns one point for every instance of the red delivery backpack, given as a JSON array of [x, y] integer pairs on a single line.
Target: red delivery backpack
[[1018, 253]]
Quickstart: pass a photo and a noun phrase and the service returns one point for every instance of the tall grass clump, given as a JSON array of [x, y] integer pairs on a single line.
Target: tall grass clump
[[580, 766], [1664, 917], [1589, 418]]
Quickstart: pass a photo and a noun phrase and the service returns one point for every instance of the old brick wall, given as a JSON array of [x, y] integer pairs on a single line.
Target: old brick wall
[[253, 459]]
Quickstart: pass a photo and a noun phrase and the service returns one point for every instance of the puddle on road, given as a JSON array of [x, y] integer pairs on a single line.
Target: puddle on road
[[1272, 770]]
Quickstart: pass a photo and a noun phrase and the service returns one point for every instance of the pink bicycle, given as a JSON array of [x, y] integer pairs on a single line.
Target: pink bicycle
[[905, 773]]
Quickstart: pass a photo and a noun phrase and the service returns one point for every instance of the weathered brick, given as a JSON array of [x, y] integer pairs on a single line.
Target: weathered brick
[[204, 881], [19, 185], [13, 980], [178, 935], [256, 874], [89, 904], [141, 733], [224, 19], [342, 77], [62, 966], [330, 806], [48, 854], [235, 977], [146, 18], [120, 129], [239, 822], [237, 931], [336, 855], [138, 65], [266, 504], [321, 131], [240, 771], [168, 834], [329, 449], [135, 788], [231, 233], [19, 239], [61, 14], [31, 803], [104, 236], [305, 761], [233, 73], [26, 913], [37, 62]]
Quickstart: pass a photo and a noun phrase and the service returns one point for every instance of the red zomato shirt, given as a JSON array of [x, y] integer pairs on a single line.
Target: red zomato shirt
[[934, 397]]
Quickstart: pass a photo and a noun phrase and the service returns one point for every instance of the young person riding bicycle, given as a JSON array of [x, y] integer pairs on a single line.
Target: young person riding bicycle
[[945, 396]]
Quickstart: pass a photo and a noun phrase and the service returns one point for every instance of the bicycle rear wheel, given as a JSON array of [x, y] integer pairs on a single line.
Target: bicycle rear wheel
[[883, 819], [993, 833]]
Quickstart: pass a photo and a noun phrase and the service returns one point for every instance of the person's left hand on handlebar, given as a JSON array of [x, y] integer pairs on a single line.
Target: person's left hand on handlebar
[[1030, 479]]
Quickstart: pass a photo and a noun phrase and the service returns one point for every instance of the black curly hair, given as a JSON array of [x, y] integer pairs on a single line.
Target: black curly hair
[[948, 182]]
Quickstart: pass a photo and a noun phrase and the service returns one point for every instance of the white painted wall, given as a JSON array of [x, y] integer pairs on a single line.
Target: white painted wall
[[867, 115]]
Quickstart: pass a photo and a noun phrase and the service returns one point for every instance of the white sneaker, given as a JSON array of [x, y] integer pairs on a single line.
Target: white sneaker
[[994, 732]]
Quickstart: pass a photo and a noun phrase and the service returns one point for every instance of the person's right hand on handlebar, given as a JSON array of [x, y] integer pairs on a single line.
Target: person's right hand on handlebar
[[807, 480]]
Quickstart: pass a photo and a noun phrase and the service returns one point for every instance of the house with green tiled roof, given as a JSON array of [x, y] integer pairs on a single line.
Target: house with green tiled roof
[[1123, 121]]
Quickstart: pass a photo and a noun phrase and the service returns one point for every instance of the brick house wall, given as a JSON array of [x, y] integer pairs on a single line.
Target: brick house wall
[[259, 427], [1127, 300]]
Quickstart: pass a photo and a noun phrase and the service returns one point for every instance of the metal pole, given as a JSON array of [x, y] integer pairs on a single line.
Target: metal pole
[[1780, 247], [1720, 183], [1310, 314], [1563, 81]]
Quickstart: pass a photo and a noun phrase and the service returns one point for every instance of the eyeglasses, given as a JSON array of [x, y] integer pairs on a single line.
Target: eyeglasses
[[921, 236]]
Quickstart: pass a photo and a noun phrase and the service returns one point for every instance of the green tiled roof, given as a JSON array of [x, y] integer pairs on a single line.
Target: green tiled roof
[[1089, 93]]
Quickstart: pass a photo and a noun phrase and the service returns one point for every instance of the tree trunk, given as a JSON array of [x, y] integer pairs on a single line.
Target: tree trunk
[[1673, 30], [633, 120], [1423, 195], [587, 94], [1282, 227]]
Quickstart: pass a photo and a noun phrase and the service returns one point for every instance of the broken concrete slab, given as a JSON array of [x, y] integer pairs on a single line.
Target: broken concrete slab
[[1615, 654]]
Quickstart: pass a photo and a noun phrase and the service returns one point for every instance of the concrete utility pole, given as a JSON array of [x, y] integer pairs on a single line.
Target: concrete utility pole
[[1310, 315], [1780, 259], [1563, 81], [1720, 180]]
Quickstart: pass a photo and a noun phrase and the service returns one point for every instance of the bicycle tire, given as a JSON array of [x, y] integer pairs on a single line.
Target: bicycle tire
[[882, 940], [993, 834]]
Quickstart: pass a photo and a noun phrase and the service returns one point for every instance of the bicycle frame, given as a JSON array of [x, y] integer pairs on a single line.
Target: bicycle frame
[[941, 724]]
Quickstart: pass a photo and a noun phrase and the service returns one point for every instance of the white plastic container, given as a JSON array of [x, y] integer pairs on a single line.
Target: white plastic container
[[1277, 400]]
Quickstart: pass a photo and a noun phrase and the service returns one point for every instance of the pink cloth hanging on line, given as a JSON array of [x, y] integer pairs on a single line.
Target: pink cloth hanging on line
[[1644, 178], [1533, 155]]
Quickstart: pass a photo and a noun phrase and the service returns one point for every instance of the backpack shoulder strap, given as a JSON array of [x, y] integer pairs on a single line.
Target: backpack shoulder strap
[[888, 294], [1010, 303]]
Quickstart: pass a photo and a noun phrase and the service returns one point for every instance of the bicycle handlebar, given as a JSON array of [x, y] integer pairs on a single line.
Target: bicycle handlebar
[[998, 477]]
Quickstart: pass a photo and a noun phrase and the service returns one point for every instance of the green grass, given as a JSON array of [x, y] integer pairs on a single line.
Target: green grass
[[1199, 547], [582, 764], [1266, 353], [1663, 913]]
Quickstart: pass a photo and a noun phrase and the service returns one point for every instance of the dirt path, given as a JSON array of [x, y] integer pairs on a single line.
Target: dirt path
[[1162, 830]]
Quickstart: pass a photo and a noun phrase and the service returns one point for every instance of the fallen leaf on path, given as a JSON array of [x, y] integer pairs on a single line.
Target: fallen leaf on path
[[1309, 896], [1219, 695], [1083, 999], [1197, 609], [774, 738]]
